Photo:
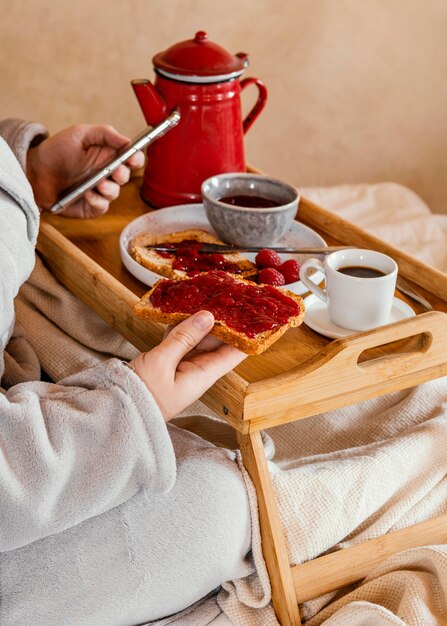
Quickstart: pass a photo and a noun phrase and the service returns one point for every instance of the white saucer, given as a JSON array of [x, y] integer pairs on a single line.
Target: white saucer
[[186, 216], [317, 317]]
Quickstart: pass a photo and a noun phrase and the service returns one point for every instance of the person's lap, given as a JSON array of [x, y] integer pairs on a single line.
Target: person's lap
[[148, 558]]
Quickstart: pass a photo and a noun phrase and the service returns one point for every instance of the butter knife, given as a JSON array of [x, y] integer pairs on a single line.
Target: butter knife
[[218, 247]]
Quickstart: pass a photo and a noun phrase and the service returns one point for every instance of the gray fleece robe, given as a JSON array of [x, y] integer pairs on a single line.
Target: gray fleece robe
[[56, 437], [107, 515]]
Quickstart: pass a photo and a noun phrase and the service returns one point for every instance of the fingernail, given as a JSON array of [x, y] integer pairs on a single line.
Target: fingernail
[[203, 319]]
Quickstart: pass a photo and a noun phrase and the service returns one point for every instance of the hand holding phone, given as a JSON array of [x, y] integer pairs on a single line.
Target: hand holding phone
[[138, 143]]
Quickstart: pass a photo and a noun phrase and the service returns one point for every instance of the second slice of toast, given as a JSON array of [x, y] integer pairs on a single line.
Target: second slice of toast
[[164, 264]]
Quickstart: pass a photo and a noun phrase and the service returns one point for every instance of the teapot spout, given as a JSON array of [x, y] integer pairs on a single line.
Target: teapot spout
[[151, 102]]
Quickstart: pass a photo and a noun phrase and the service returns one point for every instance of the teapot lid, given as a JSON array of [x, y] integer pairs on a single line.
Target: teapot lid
[[199, 60]]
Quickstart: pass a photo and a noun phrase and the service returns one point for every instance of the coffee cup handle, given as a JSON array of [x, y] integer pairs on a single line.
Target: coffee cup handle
[[317, 265]]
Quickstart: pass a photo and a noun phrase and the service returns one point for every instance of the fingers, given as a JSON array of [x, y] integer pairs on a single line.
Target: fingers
[[96, 201], [207, 367], [121, 175], [184, 337], [91, 205], [108, 189], [209, 343], [136, 160]]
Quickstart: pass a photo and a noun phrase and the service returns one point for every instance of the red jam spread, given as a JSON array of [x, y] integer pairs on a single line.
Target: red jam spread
[[246, 308], [251, 202], [188, 259]]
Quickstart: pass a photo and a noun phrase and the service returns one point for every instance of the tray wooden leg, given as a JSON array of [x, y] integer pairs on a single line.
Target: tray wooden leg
[[273, 541]]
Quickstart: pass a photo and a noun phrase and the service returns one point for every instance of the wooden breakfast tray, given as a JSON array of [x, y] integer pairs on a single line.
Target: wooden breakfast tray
[[303, 374]]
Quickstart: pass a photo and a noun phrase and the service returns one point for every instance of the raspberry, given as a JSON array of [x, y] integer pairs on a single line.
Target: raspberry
[[290, 270], [267, 258], [270, 276]]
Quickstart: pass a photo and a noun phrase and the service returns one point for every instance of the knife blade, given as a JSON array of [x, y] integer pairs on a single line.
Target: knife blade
[[218, 247]]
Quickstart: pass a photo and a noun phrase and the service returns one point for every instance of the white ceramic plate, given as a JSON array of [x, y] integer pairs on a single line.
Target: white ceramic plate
[[186, 216], [317, 317]]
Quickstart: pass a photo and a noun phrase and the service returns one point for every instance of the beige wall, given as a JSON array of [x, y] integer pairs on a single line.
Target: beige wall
[[357, 89]]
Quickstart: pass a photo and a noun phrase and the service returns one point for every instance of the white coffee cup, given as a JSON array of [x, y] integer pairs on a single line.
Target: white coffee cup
[[355, 302]]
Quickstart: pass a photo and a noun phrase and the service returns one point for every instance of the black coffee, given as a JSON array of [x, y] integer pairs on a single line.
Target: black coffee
[[360, 272]]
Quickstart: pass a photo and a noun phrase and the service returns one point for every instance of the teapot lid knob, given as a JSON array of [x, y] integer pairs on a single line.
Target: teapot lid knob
[[201, 36]]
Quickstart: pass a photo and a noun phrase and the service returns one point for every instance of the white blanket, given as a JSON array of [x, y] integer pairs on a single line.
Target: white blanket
[[392, 212]]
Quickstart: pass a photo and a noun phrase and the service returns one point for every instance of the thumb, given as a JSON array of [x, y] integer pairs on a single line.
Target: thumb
[[185, 336]]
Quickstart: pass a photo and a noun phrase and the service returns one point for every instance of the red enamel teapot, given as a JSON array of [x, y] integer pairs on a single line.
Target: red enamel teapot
[[202, 82]]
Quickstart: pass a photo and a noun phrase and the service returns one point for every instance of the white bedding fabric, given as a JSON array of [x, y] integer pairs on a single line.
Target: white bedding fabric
[[392, 212]]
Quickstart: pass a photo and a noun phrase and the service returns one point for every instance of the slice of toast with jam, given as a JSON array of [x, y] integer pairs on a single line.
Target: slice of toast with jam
[[249, 316]]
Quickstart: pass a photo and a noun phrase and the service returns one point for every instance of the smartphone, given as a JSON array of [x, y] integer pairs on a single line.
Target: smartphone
[[138, 143]]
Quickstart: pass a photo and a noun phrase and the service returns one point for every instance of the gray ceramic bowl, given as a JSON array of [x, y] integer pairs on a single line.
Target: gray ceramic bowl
[[249, 226]]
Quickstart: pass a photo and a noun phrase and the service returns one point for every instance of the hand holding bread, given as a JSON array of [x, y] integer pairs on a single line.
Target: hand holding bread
[[185, 364]]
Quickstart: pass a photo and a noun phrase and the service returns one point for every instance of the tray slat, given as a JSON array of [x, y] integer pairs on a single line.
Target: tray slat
[[344, 567]]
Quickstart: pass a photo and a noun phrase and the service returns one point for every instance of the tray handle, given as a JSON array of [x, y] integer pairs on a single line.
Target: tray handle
[[431, 327], [335, 377]]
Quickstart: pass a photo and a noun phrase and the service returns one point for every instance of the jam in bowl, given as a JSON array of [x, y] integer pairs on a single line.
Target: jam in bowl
[[249, 209], [251, 202]]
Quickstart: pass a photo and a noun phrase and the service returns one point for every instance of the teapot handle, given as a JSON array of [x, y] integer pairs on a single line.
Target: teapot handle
[[260, 103]]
